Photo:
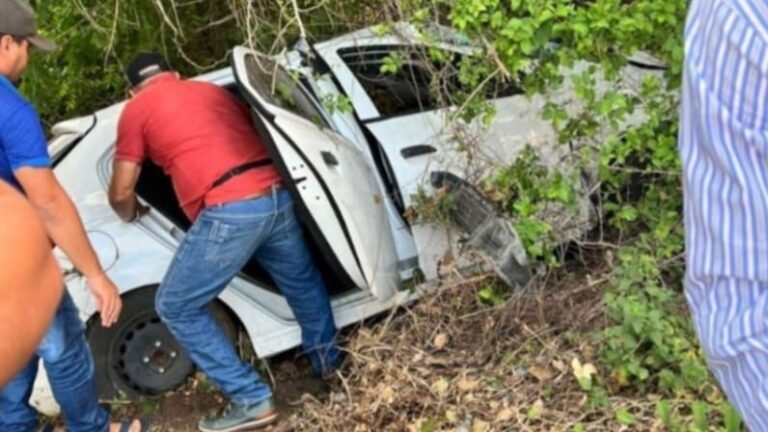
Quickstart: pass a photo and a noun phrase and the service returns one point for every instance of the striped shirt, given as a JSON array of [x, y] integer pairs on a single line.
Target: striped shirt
[[724, 139], [723, 142]]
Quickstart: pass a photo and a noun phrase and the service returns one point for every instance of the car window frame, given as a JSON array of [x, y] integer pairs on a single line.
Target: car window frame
[[382, 51], [299, 83]]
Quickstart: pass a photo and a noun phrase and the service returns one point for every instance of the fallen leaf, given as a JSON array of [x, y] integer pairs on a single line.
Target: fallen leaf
[[440, 386], [480, 426], [559, 365], [387, 394], [540, 372], [504, 415], [583, 373], [451, 416], [441, 340], [467, 385]]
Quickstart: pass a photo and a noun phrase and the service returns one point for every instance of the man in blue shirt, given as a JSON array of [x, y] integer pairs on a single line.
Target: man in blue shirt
[[25, 164]]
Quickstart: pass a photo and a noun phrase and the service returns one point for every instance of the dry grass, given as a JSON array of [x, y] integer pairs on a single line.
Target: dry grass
[[454, 363]]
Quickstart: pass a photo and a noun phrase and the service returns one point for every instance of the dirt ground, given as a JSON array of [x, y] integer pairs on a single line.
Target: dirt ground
[[179, 411]]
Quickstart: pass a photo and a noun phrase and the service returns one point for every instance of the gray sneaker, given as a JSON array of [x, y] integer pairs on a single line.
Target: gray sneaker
[[238, 418]]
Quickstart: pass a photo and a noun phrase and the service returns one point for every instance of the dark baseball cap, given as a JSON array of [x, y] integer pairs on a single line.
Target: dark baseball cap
[[145, 66], [17, 18]]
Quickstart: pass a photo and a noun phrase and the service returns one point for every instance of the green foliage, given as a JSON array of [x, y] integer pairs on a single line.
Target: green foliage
[[494, 294], [525, 190], [432, 207], [624, 417], [97, 39], [392, 63], [628, 140], [337, 104]]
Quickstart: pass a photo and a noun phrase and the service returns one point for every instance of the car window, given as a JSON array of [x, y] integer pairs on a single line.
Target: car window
[[418, 83], [400, 92], [280, 88]]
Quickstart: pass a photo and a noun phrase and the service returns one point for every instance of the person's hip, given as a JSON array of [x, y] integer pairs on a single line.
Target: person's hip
[[212, 201]]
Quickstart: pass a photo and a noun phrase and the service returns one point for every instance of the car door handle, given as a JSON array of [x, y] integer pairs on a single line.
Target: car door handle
[[417, 150], [329, 158]]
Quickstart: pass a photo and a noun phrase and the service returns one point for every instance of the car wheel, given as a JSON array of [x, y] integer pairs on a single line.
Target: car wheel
[[138, 355]]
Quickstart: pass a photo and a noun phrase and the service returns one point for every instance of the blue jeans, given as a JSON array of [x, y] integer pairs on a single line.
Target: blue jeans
[[217, 246], [69, 364]]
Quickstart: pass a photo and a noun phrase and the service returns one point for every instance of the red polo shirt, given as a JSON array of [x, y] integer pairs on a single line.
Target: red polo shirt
[[196, 132]]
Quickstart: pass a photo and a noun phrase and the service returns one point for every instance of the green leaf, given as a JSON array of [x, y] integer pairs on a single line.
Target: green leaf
[[581, 28], [535, 410], [700, 412], [382, 30], [628, 213], [731, 418], [624, 417], [392, 63], [664, 412]]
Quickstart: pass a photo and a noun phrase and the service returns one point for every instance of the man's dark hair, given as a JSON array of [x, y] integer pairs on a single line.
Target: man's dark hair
[[145, 66]]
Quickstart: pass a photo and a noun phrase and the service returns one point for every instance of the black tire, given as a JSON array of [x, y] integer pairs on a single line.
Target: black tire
[[138, 356]]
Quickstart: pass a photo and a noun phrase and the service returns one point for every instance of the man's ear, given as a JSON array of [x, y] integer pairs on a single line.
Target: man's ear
[[5, 41]]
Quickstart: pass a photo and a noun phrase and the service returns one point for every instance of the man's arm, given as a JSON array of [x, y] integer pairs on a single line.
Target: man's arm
[[25, 148], [61, 221], [130, 152], [122, 187]]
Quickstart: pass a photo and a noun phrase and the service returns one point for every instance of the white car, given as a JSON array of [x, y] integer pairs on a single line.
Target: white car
[[353, 173]]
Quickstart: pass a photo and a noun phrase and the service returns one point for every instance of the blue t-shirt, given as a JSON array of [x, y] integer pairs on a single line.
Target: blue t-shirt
[[22, 141]]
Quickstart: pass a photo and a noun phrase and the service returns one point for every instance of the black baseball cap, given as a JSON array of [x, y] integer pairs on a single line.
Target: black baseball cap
[[145, 66], [17, 18]]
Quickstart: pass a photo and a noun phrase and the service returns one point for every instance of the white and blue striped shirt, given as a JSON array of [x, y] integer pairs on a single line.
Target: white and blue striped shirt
[[723, 143]]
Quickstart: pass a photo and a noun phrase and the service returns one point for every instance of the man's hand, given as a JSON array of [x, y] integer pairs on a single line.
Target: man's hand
[[108, 300], [141, 210], [122, 195]]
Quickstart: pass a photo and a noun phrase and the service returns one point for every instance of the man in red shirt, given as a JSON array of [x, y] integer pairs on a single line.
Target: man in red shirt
[[202, 137]]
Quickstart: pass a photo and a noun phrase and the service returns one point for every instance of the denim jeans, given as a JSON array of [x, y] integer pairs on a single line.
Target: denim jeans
[[69, 364], [217, 246]]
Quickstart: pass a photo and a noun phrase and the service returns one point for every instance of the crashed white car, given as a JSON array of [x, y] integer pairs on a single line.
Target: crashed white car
[[352, 172]]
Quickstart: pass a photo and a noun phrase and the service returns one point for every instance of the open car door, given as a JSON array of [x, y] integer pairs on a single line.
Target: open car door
[[334, 188]]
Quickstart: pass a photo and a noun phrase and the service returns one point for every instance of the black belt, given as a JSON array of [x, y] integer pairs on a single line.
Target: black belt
[[236, 171]]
